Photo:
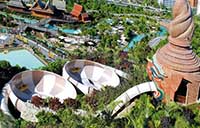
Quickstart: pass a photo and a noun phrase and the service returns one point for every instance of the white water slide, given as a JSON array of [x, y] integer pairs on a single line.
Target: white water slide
[[198, 8], [44, 84], [131, 93], [88, 75]]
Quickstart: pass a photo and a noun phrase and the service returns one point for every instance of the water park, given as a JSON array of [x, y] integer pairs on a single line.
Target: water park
[[47, 25], [137, 71], [86, 76]]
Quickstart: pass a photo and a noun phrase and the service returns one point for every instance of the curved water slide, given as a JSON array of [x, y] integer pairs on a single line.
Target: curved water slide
[[88, 75], [24, 85], [4, 101], [137, 90]]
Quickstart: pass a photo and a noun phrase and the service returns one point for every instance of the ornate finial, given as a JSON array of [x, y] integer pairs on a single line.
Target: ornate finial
[[181, 27]]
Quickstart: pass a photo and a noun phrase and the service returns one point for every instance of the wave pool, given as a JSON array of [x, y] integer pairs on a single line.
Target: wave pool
[[22, 57]]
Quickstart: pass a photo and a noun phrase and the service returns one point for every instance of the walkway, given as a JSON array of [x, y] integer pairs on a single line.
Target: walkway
[[67, 19], [150, 8], [154, 42], [45, 51]]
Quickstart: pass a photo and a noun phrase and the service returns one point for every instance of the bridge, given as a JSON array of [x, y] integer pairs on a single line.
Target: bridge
[[66, 19], [21, 28], [38, 26], [155, 41]]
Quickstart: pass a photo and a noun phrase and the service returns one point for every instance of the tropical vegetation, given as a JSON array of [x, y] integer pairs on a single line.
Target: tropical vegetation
[[146, 112]]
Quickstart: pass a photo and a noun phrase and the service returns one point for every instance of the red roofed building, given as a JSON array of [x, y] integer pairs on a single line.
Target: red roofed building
[[85, 18], [79, 13], [77, 9], [193, 3]]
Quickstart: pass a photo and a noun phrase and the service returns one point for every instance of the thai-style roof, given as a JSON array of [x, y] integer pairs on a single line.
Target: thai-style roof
[[49, 5], [77, 9], [43, 11], [178, 54], [15, 3], [39, 6], [85, 17], [39, 3], [59, 4], [24, 3], [56, 4]]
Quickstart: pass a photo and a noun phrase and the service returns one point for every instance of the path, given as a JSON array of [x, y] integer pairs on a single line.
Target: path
[[139, 15], [151, 8], [154, 42]]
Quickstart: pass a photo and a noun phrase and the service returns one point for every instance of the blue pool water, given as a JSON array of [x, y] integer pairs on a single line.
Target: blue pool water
[[71, 31], [133, 41], [22, 58], [26, 20], [162, 31], [52, 27], [3, 30], [68, 31]]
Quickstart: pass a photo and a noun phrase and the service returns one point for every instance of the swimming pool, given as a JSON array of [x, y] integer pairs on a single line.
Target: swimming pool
[[22, 58], [68, 31], [71, 31], [134, 41], [162, 31]]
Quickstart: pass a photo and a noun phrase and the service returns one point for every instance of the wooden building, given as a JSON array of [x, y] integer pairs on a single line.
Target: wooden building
[[193, 3], [42, 10], [38, 8], [79, 13], [17, 6]]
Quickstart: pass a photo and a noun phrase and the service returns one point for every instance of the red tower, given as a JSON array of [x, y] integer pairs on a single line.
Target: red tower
[[175, 67], [193, 3]]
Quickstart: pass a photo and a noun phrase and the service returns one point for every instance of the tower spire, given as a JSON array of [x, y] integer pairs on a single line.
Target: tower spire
[[182, 26], [177, 54], [175, 67]]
